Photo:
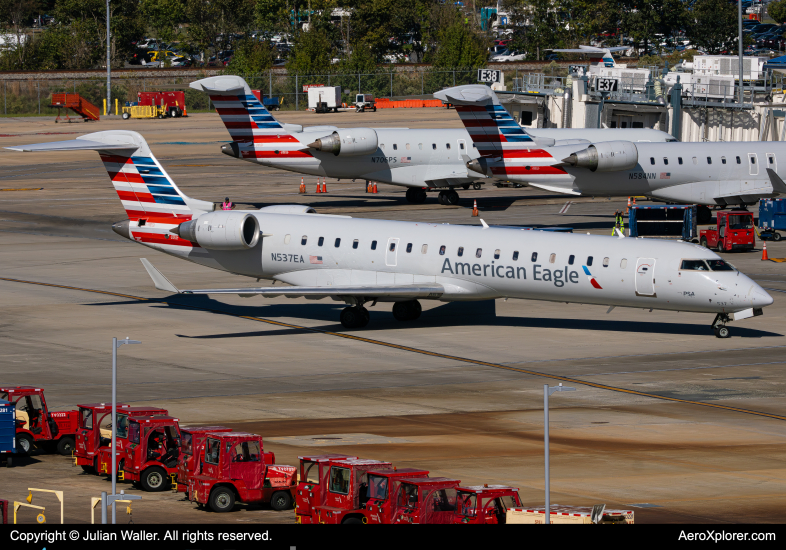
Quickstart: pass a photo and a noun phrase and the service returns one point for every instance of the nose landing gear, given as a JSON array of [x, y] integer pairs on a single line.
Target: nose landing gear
[[719, 326], [355, 317]]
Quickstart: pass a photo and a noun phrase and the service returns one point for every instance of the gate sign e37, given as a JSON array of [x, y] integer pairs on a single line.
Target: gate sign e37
[[487, 75]]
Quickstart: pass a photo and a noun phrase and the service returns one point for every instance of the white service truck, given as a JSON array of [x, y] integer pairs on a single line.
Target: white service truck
[[324, 98]]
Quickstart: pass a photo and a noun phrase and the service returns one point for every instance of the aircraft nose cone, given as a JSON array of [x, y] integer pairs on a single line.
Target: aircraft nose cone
[[121, 228], [760, 297]]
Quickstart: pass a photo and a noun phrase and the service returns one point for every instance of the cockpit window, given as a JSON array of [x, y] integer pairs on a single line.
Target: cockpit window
[[694, 265], [719, 265]]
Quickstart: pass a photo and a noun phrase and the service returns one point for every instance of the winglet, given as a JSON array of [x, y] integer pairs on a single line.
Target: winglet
[[161, 282], [777, 183]]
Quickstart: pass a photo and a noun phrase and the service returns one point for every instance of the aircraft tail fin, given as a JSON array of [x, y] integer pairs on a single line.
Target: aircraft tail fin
[[244, 116], [143, 186], [494, 131]]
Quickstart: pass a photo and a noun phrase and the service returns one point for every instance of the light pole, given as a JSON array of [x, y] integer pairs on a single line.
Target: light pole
[[739, 40], [108, 82], [546, 392], [116, 344]]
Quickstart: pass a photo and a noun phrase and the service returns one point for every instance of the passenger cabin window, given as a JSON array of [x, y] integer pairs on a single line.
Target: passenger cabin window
[[771, 159], [304, 240], [407, 146], [623, 263], [424, 249], [496, 254], [393, 247], [571, 258], [679, 160], [665, 161], [420, 146], [373, 245], [709, 160], [695, 160], [409, 248], [442, 250], [723, 160], [589, 261], [534, 256], [355, 244], [382, 146], [515, 255], [321, 241], [652, 160], [338, 242], [753, 159], [461, 146], [395, 147], [460, 251], [447, 146], [287, 238], [739, 161], [478, 252], [552, 258], [434, 146], [606, 262]]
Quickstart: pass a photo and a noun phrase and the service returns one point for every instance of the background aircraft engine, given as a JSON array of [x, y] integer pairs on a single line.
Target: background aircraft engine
[[221, 230], [348, 142], [608, 156]]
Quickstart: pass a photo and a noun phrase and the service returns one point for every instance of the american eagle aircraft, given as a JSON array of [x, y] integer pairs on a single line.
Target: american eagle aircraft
[[727, 173], [362, 261], [418, 159]]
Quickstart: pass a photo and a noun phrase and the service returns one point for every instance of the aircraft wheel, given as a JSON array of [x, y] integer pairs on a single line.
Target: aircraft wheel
[[416, 195], [441, 197], [465, 186], [24, 444], [354, 317], [722, 332], [477, 186], [407, 311], [451, 198]]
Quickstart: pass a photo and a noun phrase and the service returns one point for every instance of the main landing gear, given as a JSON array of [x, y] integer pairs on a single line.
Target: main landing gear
[[416, 195], [719, 326], [448, 198], [703, 214], [358, 317]]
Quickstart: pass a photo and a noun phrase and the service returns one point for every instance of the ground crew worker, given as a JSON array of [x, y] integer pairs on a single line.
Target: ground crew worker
[[619, 223], [227, 205]]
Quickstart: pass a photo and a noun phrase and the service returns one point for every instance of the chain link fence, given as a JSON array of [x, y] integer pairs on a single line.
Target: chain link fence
[[32, 96]]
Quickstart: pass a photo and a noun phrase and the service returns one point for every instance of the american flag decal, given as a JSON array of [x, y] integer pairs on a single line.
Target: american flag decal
[[315, 259], [405, 160], [665, 175]]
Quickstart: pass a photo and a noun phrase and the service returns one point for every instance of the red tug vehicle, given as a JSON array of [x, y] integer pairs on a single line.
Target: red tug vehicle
[[383, 486], [312, 488], [151, 451], [36, 425], [734, 231], [233, 468], [92, 451], [485, 504], [431, 500], [192, 444]]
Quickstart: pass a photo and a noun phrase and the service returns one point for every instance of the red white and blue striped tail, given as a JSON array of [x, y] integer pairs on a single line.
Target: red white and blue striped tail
[[150, 197], [249, 122], [494, 131]]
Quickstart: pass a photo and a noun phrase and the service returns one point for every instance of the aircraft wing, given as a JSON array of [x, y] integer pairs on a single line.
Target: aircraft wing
[[777, 183], [403, 292]]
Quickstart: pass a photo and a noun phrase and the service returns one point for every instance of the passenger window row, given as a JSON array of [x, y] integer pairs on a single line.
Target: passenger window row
[[751, 157]]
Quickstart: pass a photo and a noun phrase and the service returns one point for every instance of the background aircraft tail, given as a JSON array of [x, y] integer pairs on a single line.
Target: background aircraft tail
[[494, 131], [149, 196]]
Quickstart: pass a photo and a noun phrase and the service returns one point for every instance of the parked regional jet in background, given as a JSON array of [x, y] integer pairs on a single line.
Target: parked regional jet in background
[[414, 158], [600, 57], [358, 261], [725, 173]]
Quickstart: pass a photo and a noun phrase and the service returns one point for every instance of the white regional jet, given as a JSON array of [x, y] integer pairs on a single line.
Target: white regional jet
[[358, 261], [726, 173], [418, 159]]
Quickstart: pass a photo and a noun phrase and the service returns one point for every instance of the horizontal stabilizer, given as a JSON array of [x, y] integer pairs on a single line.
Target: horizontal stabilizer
[[77, 144], [470, 94], [222, 85], [408, 292]]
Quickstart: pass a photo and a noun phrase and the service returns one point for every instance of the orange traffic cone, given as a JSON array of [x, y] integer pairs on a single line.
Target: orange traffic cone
[[634, 201], [302, 188], [368, 186], [318, 189], [324, 185], [627, 210], [764, 256], [374, 188], [475, 209]]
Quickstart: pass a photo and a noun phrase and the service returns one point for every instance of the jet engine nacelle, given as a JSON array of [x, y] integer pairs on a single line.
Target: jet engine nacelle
[[348, 142], [221, 230], [606, 156]]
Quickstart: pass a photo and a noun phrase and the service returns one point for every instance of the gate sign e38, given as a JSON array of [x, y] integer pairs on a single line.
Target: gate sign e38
[[487, 75]]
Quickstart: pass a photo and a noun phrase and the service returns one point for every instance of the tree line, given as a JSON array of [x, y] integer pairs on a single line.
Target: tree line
[[347, 36]]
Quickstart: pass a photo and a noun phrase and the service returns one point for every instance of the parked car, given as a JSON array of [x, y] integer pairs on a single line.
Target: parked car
[[139, 56], [509, 56]]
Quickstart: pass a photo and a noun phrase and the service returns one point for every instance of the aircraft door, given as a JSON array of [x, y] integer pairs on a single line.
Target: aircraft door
[[753, 164], [391, 252], [645, 277], [462, 148]]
